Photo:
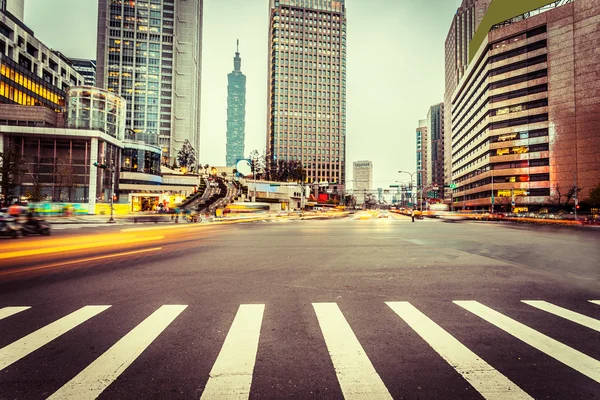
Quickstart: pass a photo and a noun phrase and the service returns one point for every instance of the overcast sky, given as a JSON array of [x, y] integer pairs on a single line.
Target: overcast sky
[[395, 70]]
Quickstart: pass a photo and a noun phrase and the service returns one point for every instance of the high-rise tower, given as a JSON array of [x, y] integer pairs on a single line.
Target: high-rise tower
[[307, 87], [236, 111], [149, 52]]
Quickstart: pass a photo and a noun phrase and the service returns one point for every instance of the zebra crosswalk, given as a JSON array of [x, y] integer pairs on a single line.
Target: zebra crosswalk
[[232, 374]]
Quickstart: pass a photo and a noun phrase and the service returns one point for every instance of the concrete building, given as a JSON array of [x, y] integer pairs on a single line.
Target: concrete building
[[422, 138], [87, 69], [363, 180], [435, 147], [525, 115], [15, 7], [31, 73], [464, 24], [150, 53], [307, 87], [236, 111]]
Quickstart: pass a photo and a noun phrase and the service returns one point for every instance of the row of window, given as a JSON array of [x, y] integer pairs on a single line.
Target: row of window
[[29, 84]]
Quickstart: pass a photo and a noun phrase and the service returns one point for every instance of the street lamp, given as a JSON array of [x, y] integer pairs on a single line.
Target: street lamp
[[411, 180]]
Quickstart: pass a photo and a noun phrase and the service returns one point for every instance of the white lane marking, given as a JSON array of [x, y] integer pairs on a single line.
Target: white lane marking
[[356, 375], [28, 344], [97, 376], [490, 383], [566, 314], [8, 311], [595, 302], [561, 352], [231, 375]]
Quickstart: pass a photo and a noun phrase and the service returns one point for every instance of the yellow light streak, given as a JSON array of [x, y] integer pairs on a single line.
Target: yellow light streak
[[73, 247], [82, 260]]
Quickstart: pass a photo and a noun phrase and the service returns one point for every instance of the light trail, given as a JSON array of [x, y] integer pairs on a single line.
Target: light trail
[[73, 247], [81, 260]]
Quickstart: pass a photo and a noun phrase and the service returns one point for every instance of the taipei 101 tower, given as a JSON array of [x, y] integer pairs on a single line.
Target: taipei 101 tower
[[236, 111]]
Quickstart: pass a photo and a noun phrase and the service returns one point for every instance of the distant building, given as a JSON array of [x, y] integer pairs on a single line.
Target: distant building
[[307, 87], [435, 146], [422, 137], [236, 111], [150, 53], [87, 68], [363, 179], [525, 115]]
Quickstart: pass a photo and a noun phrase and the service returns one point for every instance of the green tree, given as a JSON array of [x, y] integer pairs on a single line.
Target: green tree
[[187, 156], [10, 173]]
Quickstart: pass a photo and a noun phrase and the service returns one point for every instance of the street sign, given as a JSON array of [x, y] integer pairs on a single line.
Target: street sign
[[512, 203], [453, 186], [435, 188]]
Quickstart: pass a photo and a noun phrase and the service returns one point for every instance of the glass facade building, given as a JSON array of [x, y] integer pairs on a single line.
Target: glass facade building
[[96, 109], [307, 87], [236, 112], [149, 52]]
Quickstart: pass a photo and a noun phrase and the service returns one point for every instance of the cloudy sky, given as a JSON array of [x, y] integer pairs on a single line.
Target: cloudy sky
[[395, 70]]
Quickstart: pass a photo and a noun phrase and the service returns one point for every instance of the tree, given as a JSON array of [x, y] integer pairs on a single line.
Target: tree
[[224, 174], [594, 198], [260, 165], [560, 198], [287, 171], [187, 156], [65, 178], [10, 172], [35, 194]]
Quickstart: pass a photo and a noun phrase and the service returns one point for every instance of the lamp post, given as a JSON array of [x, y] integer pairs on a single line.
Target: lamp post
[[411, 189]]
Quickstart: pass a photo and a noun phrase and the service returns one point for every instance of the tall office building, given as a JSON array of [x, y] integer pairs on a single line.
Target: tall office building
[[149, 52], [525, 114], [422, 153], [435, 146], [236, 111], [307, 86], [363, 179], [464, 24], [87, 68]]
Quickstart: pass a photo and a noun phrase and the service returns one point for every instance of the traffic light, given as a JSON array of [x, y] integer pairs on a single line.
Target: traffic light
[[98, 165]]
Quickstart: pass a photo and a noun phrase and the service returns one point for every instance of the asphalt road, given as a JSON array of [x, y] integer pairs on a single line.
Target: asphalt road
[[356, 309]]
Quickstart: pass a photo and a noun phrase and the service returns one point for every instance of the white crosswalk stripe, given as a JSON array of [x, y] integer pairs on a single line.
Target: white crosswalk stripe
[[566, 314], [231, 375], [490, 383], [8, 311], [561, 352], [92, 381], [356, 375], [22, 347]]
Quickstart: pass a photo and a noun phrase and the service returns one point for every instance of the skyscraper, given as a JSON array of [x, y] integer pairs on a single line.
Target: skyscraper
[[236, 111], [363, 179], [149, 52], [422, 153], [435, 146], [307, 87], [464, 24]]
